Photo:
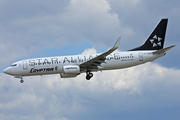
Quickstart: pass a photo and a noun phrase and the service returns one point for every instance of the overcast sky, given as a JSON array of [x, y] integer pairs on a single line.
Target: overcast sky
[[39, 28]]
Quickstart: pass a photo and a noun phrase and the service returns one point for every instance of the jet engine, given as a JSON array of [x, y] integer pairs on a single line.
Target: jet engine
[[71, 69], [62, 75]]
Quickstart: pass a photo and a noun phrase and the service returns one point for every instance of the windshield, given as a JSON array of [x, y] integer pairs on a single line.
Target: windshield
[[13, 65]]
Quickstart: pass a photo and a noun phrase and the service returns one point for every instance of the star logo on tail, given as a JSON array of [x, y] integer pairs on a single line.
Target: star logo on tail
[[156, 41]]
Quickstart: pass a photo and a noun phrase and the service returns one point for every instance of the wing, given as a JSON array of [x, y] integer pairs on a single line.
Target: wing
[[97, 61]]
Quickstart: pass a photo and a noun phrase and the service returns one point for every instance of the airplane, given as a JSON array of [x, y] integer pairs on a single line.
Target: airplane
[[71, 66]]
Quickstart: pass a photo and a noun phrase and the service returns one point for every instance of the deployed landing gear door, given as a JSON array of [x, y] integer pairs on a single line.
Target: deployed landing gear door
[[25, 66], [140, 56]]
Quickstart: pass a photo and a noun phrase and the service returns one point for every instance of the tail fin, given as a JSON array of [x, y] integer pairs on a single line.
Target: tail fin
[[156, 39]]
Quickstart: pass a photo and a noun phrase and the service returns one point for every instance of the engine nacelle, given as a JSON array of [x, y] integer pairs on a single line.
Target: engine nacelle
[[71, 69], [62, 75]]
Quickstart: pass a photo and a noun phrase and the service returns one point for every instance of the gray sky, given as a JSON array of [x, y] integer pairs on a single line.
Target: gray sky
[[46, 28]]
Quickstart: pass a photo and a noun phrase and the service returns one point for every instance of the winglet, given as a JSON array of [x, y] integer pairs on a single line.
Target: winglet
[[116, 44]]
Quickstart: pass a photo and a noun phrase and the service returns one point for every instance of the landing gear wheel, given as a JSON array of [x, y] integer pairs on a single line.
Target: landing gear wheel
[[89, 76], [21, 81]]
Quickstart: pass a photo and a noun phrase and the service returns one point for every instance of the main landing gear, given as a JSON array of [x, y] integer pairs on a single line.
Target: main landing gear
[[21, 81], [89, 75]]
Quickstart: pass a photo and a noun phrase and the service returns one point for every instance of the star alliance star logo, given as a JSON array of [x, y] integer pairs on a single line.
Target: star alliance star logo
[[156, 41]]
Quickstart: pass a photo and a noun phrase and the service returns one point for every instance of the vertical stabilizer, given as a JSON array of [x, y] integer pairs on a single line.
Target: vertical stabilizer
[[156, 40]]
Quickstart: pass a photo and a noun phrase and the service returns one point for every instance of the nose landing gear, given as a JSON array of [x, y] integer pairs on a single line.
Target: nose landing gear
[[89, 75], [21, 81]]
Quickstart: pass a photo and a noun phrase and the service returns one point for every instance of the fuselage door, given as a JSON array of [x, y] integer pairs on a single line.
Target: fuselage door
[[25, 66], [140, 56]]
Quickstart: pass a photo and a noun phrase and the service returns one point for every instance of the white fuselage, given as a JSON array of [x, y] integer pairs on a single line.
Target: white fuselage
[[54, 65]]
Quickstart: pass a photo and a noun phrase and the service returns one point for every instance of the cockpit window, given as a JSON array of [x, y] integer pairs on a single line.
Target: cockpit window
[[13, 65]]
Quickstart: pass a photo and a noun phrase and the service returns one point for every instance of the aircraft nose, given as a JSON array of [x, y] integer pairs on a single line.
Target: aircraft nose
[[7, 71]]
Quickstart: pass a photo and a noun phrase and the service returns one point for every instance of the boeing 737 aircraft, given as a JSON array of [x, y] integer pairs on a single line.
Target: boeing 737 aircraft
[[71, 66]]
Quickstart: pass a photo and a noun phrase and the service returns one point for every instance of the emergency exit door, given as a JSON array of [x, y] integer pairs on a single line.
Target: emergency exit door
[[140, 56]]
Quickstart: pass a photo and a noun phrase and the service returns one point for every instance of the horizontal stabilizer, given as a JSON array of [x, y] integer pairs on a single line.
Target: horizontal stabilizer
[[163, 50]]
